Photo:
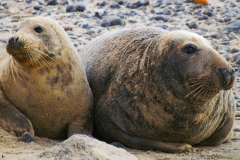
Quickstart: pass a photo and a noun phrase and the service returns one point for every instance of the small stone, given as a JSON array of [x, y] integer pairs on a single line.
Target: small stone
[[52, 2], [120, 2], [192, 25], [27, 137], [131, 6], [161, 17], [102, 4], [64, 2], [29, 1], [80, 7], [39, 7], [179, 8], [197, 6], [90, 32], [224, 54], [203, 17], [67, 28], [167, 12], [236, 56], [132, 21], [85, 25], [208, 12], [234, 50], [84, 15], [117, 144], [98, 15], [116, 21], [70, 8], [115, 6], [214, 35], [234, 26], [105, 23], [2, 15]]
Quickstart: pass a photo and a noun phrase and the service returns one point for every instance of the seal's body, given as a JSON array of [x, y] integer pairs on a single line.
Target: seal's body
[[161, 90], [43, 81]]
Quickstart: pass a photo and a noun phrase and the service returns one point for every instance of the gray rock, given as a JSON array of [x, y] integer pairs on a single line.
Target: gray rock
[[52, 2], [236, 57], [117, 21], [84, 147], [80, 7], [234, 50], [234, 26], [70, 8], [161, 17], [105, 23], [192, 25], [167, 12], [2, 15]]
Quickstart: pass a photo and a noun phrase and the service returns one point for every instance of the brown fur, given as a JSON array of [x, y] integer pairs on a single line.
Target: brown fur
[[150, 94], [43, 79]]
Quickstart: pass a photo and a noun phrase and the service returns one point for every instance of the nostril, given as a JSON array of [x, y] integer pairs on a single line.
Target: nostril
[[226, 76], [11, 40], [16, 39]]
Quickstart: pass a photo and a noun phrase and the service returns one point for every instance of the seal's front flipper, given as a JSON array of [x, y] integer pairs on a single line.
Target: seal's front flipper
[[144, 143], [11, 119], [80, 125], [224, 134]]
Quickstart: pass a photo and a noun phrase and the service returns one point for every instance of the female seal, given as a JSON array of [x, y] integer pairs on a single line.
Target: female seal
[[43, 86]]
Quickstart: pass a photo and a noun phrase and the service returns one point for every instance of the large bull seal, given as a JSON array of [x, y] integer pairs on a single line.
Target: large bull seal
[[43, 86], [160, 90]]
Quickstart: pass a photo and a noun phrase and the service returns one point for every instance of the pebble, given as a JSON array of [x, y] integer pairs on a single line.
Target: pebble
[[192, 25], [102, 4], [234, 50], [86, 25], [161, 17], [167, 12], [70, 8], [115, 6], [132, 21], [52, 2], [80, 7], [2, 15], [27, 137], [105, 23], [116, 21], [234, 26], [39, 7]]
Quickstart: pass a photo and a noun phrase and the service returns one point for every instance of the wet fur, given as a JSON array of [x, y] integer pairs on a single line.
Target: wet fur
[[147, 92]]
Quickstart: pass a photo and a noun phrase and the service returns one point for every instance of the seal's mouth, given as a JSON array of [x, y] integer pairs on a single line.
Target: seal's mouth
[[226, 77]]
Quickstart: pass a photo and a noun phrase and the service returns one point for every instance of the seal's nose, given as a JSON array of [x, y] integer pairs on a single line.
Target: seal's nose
[[227, 77], [13, 40]]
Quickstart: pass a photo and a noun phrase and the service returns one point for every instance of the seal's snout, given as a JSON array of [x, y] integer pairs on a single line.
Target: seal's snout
[[227, 78], [13, 40], [14, 43]]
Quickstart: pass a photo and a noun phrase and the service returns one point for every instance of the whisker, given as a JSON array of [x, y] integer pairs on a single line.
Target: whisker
[[44, 54], [202, 88], [193, 91]]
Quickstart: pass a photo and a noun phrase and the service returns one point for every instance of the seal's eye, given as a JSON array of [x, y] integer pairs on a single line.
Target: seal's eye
[[190, 49], [38, 29]]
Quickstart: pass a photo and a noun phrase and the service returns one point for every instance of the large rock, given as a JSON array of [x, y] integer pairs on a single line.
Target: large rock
[[83, 147]]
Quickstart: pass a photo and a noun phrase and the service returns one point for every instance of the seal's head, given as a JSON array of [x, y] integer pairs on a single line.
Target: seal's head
[[37, 41], [191, 63]]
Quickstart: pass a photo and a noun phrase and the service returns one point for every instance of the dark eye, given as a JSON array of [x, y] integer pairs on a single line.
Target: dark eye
[[38, 29], [190, 49]]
